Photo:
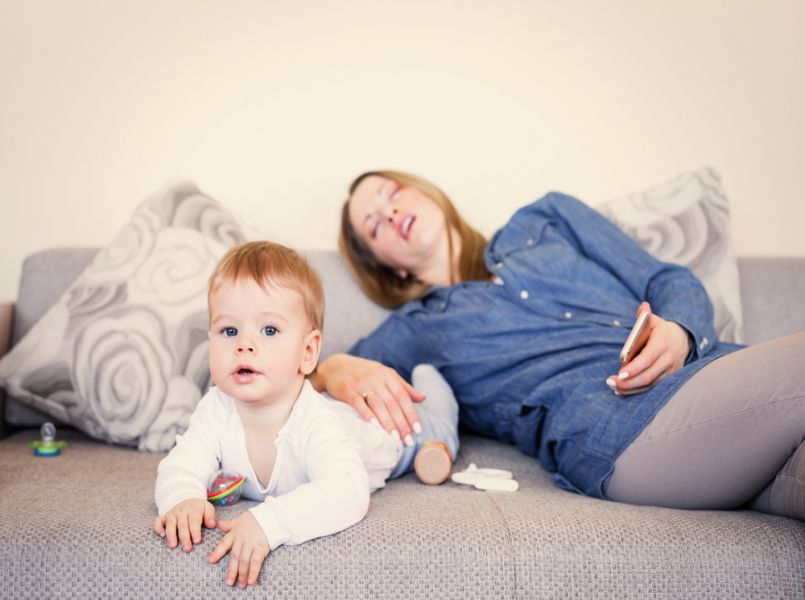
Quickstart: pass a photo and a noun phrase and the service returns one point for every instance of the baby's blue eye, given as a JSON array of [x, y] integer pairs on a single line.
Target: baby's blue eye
[[269, 330], [230, 331]]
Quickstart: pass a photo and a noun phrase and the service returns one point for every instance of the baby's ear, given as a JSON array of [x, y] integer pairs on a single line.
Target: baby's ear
[[310, 352]]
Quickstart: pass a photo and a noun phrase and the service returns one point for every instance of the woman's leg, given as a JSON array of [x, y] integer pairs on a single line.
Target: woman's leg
[[786, 494], [730, 433]]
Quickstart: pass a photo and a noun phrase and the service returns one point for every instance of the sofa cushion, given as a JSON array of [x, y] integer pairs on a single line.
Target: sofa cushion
[[85, 527], [686, 221], [122, 354]]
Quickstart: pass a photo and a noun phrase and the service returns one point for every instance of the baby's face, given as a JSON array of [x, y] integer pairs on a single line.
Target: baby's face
[[259, 342]]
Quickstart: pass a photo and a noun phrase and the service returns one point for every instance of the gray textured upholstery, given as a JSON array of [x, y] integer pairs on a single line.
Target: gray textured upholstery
[[773, 297], [81, 521]]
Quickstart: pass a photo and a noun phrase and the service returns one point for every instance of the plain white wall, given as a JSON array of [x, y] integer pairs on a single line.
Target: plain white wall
[[272, 108]]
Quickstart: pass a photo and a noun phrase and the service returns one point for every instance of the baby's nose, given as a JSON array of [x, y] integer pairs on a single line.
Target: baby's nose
[[245, 348]]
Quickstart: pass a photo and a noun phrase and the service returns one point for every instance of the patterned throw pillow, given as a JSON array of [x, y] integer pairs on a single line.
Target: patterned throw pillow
[[686, 221], [123, 354]]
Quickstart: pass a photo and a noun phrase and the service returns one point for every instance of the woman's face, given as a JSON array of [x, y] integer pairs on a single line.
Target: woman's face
[[402, 227]]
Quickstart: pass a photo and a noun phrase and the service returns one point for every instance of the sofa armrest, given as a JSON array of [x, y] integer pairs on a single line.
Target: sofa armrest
[[6, 319]]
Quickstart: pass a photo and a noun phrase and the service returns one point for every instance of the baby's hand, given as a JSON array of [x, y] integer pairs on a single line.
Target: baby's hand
[[249, 548], [185, 518]]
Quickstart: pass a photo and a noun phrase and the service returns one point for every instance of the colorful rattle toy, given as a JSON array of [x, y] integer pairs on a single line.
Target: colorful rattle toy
[[225, 487], [47, 445]]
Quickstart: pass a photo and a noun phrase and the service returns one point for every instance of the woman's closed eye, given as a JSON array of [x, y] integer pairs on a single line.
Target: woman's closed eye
[[375, 228]]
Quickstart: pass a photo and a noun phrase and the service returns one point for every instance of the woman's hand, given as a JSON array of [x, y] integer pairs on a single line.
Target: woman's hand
[[666, 350], [372, 389]]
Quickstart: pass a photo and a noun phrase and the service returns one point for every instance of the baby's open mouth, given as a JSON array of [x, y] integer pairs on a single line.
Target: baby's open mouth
[[245, 371]]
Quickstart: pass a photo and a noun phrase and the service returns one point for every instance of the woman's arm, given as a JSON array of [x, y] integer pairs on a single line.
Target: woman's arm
[[372, 389], [682, 319]]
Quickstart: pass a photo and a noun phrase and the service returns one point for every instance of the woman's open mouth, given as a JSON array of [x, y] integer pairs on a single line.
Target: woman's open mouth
[[405, 225]]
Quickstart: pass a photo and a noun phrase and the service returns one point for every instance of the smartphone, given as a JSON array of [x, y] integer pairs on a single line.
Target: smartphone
[[638, 337]]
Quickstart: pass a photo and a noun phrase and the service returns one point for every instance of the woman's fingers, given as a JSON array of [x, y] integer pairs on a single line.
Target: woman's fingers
[[394, 411], [377, 401], [649, 376], [413, 394], [359, 403], [402, 394]]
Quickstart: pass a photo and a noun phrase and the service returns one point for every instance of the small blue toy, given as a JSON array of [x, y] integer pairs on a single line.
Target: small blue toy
[[225, 487], [47, 445]]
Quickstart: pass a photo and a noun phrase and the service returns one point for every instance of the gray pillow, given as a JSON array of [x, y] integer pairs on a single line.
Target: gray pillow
[[686, 221], [123, 354]]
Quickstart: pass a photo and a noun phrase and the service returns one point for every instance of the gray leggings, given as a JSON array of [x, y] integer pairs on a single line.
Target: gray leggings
[[732, 436]]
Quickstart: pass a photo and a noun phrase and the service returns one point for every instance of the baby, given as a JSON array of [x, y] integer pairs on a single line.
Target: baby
[[311, 461]]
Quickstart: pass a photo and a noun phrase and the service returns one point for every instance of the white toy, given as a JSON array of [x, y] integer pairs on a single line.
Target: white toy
[[486, 479]]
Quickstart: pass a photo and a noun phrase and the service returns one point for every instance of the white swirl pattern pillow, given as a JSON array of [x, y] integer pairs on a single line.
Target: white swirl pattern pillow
[[123, 354], [686, 221]]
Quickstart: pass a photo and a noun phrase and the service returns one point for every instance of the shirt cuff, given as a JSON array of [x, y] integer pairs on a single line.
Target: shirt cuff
[[275, 532]]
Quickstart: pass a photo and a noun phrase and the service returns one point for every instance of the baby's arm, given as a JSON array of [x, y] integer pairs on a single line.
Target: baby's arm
[[180, 491], [335, 497]]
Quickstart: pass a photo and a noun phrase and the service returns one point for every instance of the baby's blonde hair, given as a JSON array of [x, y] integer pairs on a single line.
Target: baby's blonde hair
[[268, 263]]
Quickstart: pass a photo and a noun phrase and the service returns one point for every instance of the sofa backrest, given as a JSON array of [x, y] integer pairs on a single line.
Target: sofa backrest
[[772, 293], [348, 314]]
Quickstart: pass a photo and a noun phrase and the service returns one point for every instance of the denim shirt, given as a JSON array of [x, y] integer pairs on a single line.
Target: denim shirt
[[528, 356]]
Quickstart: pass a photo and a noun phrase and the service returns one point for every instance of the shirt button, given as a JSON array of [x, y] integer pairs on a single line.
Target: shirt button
[[499, 265], [616, 323], [568, 315], [530, 242], [524, 295], [704, 344]]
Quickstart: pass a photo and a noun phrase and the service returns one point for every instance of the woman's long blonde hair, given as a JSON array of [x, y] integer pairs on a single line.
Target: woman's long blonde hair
[[380, 282]]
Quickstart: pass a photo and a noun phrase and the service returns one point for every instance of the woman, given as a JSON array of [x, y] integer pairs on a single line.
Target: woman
[[527, 329]]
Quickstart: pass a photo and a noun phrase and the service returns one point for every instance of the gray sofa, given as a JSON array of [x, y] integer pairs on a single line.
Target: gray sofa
[[80, 523]]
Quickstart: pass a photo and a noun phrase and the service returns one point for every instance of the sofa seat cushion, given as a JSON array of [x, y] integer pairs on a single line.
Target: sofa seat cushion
[[82, 522]]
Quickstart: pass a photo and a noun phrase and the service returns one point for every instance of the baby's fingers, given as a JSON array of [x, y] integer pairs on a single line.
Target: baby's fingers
[[244, 563], [184, 532], [194, 522], [159, 526], [221, 549], [255, 564], [170, 531], [209, 515], [232, 569]]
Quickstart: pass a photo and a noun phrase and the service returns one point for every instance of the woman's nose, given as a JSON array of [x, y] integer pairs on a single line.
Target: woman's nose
[[390, 214]]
